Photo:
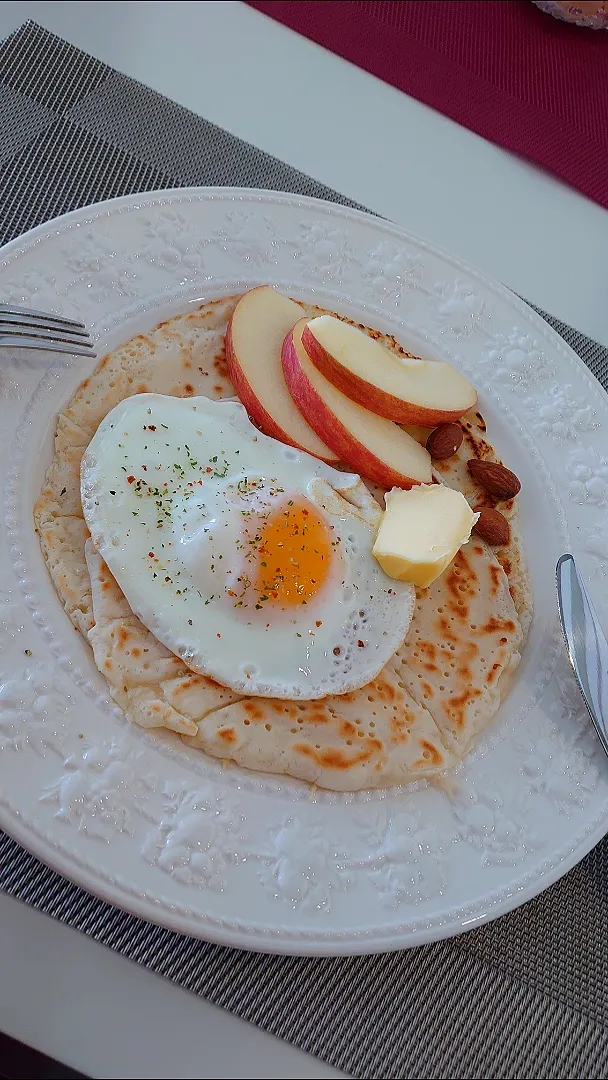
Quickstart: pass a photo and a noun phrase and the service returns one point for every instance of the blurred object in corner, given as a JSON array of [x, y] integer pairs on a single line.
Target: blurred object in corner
[[590, 13]]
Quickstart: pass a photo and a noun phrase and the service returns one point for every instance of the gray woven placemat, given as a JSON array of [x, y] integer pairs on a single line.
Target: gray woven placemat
[[526, 996]]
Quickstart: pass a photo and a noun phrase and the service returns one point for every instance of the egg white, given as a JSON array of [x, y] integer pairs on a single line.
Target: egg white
[[167, 484]]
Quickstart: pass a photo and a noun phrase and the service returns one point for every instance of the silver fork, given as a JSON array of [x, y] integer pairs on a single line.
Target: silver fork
[[24, 328]]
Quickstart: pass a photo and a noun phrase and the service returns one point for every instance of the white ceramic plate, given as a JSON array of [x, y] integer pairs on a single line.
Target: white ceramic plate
[[237, 857]]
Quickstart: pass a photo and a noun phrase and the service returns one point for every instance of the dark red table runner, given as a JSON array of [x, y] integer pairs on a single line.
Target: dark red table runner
[[502, 68]]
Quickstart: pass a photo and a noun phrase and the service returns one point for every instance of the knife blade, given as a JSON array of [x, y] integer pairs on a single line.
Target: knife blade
[[586, 643]]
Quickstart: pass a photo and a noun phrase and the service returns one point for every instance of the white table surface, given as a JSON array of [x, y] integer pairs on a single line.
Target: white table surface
[[59, 991]]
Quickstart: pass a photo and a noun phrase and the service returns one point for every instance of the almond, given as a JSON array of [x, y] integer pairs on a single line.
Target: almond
[[497, 480], [444, 441], [492, 527]]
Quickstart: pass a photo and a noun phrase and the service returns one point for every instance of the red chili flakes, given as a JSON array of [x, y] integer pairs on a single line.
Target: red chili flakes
[[151, 555], [208, 469], [218, 635], [318, 623], [130, 479], [361, 644], [337, 650]]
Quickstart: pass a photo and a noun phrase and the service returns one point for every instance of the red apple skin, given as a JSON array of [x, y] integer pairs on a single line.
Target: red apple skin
[[372, 397], [330, 430], [255, 410]]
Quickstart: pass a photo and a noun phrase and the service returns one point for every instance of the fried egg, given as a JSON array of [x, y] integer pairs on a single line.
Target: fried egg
[[243, 556]]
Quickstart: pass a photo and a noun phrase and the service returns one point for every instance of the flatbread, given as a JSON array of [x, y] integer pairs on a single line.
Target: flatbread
[[416, 719]]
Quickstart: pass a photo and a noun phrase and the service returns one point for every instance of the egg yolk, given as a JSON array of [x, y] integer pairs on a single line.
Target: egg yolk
[[294, 555]]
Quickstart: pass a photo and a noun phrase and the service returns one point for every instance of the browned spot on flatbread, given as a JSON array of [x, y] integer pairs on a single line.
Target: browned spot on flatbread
[[385, 690], [187, 364], [347, 697], [477, 446], [399, 730], [220, 364], [191, 682], [492, 675], [495, 625], [461, 583], [317, 716], [445, 627], [108, 664], [495, 579], [347, 729], [228, 735], [218, 388], [188, 390], [505, 562], [463, 670], [335, 758], [431, 752], [428, 649], [253, 710], [135, 652], [457, 705], [123, 637]]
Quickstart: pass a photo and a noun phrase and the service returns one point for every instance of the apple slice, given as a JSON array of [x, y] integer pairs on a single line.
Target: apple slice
[[371, 445], [408, 390], [254, 337]]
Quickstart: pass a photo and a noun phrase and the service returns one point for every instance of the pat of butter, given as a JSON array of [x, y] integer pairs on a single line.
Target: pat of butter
[[421, 531]]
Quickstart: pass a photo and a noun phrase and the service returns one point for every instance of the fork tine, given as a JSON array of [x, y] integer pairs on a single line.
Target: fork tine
[[33, 322], [46, 345], [8, 309], [61, 336]]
